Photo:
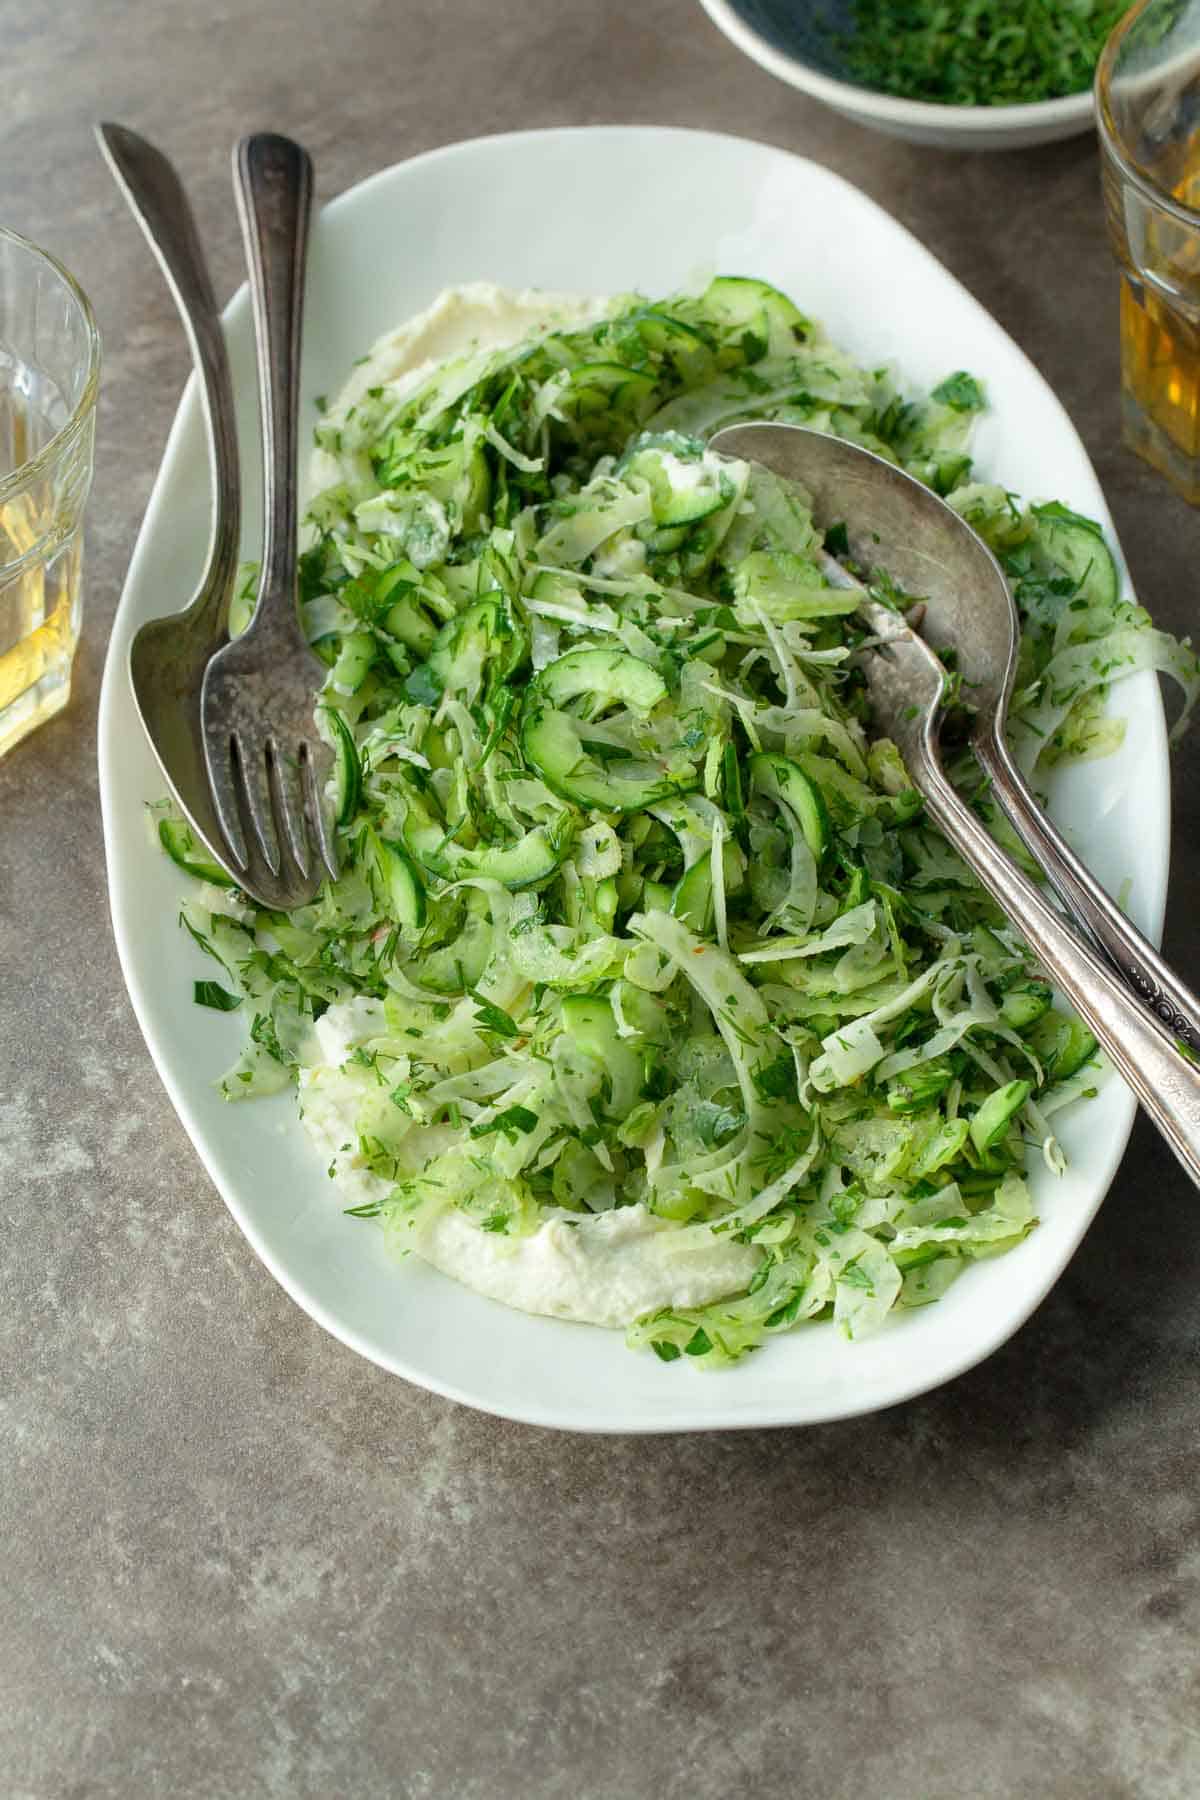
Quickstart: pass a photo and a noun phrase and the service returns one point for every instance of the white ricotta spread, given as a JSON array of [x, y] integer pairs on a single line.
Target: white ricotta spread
[[607, 1269], [476, 317], [604, 1268]]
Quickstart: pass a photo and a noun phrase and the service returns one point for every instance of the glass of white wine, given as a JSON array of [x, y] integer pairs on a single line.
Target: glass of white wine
[[1148, 114], [49, 377]]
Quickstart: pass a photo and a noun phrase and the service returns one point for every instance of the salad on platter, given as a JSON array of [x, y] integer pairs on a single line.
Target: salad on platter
[[646, 995]]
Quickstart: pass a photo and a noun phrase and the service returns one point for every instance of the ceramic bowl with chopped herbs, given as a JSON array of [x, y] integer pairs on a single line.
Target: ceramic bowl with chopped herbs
[[962, 74]]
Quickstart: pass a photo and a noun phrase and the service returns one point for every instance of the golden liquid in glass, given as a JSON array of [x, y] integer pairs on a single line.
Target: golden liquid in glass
[[40, 598], [1160, 320]]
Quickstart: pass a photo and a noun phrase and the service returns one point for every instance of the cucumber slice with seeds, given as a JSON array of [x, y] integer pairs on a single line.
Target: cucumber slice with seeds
[[550, 737], [1061, 1044], [605, 676], [1077, 546], [402, 887], [777, 778], [683, 488], [532, 858]]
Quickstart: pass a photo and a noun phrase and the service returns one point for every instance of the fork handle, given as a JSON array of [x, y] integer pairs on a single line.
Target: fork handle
[[1171, 1002], [158, 202], [273, 180], [1167, 1085]]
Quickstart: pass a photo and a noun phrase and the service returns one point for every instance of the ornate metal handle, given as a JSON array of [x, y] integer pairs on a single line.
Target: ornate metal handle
[[160, 206], [1172, 1004], [273, 180], [1167, 1086]]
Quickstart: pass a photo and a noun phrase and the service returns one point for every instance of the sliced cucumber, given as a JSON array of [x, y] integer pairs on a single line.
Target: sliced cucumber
[[643, 1012], [531, 859], [184, 847], [403, 889], [1076, 545], [740, 302], [944, 1145], [685, 484], [354, 661], [692, 901], [601, 899], [405, 620], [995, 1116], [919, 1087], [989, 948], [1061, 1044], [550, 738], [347, 766], [456, 966], [1022, 1006], [605, 676], [551, 745], [588, 1020], [599, 388], [475, 647], [777, 778], [681, 344]]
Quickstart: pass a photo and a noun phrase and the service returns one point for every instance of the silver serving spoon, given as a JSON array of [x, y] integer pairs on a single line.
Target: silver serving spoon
[[905, 533], [167, 656], [896, 522]]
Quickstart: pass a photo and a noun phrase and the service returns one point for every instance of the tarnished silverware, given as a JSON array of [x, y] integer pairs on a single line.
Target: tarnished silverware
[[897, 522], [906, 682], [265, 757], [167, 657]]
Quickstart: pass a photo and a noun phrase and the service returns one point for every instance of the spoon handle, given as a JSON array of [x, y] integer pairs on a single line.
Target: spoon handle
[[157, 200], [1167, 1085], [1173, 1005], [273, 180]]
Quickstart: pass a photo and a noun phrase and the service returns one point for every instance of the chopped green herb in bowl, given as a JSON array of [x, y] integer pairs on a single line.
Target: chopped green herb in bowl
[[963, 74], [977, 52]]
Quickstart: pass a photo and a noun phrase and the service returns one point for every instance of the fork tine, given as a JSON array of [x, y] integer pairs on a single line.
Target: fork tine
[[317, 813], [224, 786], [256, 795], [284, 779]]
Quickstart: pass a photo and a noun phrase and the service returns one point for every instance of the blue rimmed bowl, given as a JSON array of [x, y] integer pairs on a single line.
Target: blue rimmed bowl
[[798, 42]]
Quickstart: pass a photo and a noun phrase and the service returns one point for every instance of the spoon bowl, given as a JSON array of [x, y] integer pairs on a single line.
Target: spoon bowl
[[167, 658], [896, 523]]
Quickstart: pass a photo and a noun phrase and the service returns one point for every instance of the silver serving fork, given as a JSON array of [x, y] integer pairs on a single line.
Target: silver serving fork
[[266, 762]]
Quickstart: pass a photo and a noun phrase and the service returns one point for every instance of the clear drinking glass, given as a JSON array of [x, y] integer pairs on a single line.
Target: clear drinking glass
[[1148, 112], [49, 376]]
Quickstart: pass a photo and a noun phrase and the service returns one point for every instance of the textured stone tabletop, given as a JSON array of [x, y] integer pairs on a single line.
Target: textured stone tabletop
[[235, 1560]]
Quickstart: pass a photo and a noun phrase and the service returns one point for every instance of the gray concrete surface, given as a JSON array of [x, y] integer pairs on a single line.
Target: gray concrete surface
[[234, 1559]]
